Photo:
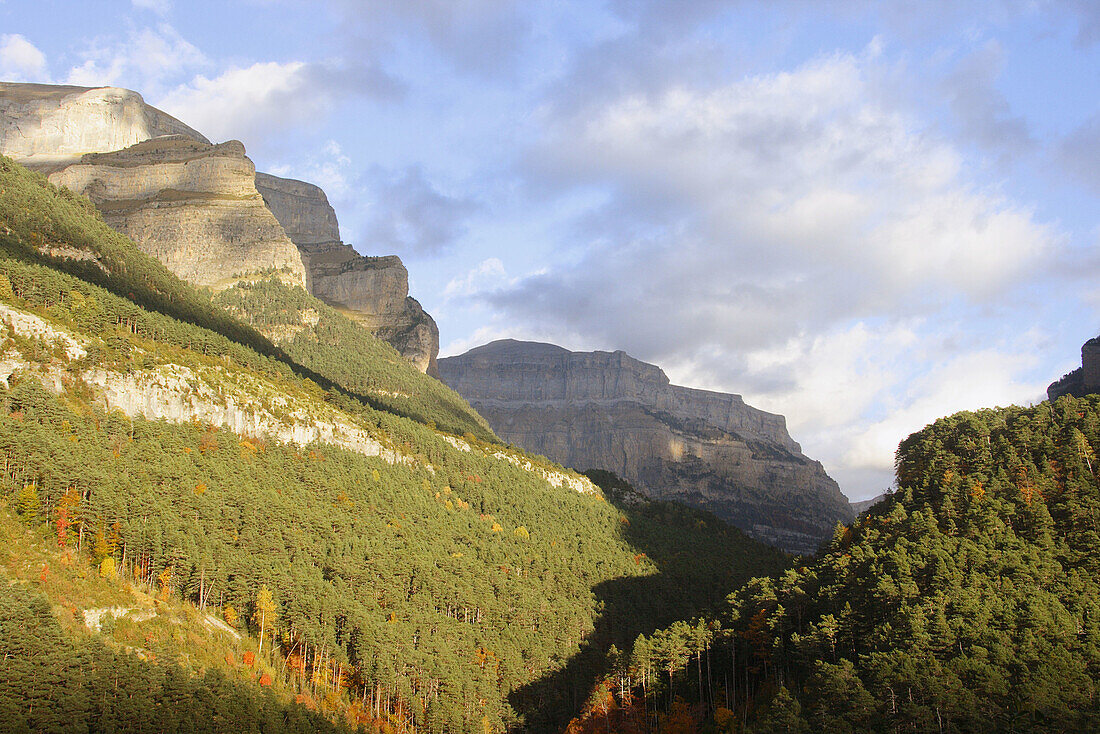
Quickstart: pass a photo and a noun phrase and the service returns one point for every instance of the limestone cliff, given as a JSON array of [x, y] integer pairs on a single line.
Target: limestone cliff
[[373, 291], [198, 207], [41, 123], [610, 411], [192, 205]]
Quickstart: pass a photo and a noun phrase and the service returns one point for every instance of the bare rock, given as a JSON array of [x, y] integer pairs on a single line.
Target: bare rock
[[192, 205], [45, 124], [374, 291], [610, 411]]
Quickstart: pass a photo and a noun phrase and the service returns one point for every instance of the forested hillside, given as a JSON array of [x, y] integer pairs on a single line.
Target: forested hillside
[[968, 601], [391, 575], [318, 337]]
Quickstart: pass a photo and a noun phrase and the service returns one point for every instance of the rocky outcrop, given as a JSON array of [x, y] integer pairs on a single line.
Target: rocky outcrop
[[1084, 380], [45, 124], [610, 411], [192, 205], [202, 209], [373, 291]]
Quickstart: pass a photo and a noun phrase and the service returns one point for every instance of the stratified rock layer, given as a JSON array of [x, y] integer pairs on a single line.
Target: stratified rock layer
[[192, 205], [610, 411], [44, 124], [373, 291], [198, 207]]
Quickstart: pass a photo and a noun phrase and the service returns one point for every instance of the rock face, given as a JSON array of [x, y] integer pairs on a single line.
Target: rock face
[[1084, 380], [374, 291], [610, 411], [41, 123], [192, 205], [202, 209]]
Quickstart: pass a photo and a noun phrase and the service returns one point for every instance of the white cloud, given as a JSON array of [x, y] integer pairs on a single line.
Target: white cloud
[[488, 275], [145, 60], [245, 102], [260, 102], [793, 236], [20, 60]]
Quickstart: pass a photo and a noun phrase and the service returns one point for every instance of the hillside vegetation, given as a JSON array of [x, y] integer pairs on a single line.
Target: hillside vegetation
[[968, 601], [46, 225], [392, 576]]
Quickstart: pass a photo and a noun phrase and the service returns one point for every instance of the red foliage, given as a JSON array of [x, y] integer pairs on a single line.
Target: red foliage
[[250, 659], [265, 680]]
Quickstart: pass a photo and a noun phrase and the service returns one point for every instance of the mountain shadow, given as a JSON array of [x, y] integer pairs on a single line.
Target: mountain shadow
[[699, 559]]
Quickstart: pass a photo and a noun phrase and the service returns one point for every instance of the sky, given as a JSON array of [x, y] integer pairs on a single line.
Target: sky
[[861, 215]]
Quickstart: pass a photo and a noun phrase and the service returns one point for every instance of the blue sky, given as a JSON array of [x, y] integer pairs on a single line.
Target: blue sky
[[862, 215]]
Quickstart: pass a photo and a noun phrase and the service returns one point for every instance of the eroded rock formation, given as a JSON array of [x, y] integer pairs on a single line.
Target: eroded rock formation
[[610, 411], [372, 290], [192, 205], [45, 124], [198, 207]]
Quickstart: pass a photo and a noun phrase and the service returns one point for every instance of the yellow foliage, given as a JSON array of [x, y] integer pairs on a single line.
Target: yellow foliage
[[497, 528], [521, 532], [200, 489], [107, 568], [230, 615]]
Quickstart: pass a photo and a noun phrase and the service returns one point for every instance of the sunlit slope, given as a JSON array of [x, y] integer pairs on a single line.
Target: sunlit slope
[[398, 574], [40, 223]]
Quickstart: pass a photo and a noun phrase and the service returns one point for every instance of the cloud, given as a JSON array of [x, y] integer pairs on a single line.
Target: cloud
[[793, 236], [777, 203], [488, 275], [982, 112], [479, 36], [1079, 152], [20, 60], [161, 7], [145, 60], [409, 215], [262, 100]]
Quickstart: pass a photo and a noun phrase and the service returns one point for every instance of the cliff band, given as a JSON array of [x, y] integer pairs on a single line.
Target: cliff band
[[602, 410], [202, 209]]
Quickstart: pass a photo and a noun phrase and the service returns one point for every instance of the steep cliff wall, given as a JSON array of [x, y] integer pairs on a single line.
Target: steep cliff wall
[[610, 411], [202, 210], [373, 291], [41, 123], [192, 205]]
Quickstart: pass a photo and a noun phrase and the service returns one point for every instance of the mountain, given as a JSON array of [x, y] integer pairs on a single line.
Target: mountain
[[372, 291], [200, 531], [1084, 380], [607, 410], [202, 209]]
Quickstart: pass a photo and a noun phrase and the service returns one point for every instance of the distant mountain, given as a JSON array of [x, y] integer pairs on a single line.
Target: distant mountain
[[202, 209], [863, 505], [607, 410]]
